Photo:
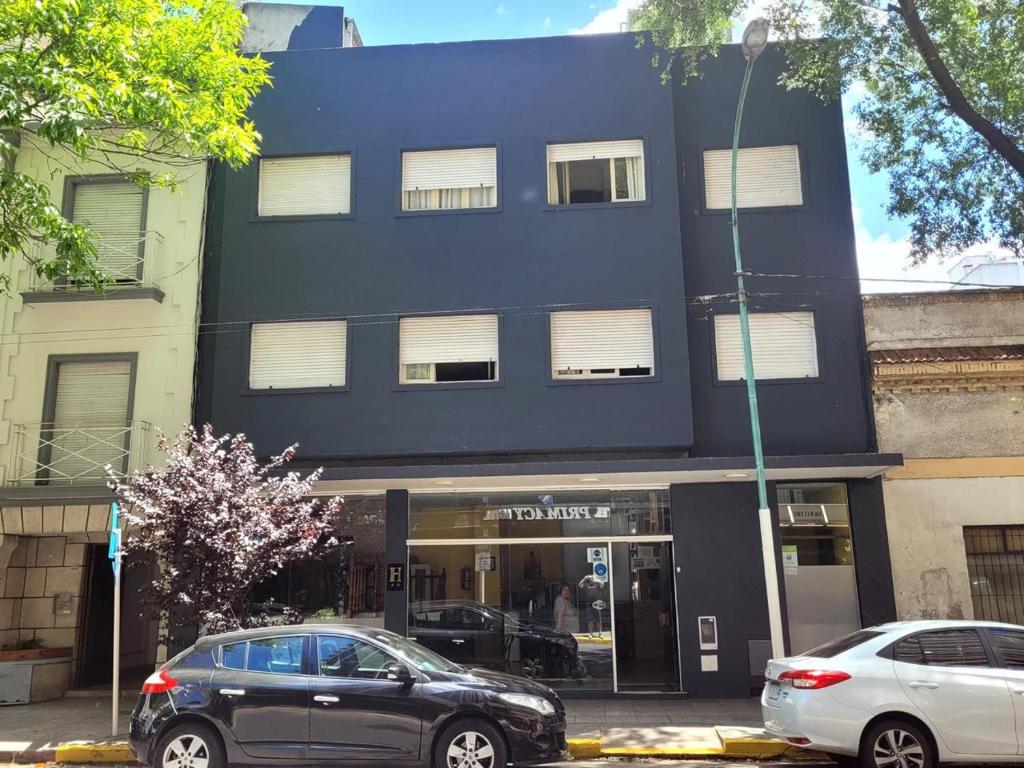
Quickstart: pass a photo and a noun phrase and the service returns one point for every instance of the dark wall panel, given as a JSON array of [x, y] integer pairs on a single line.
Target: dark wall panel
[[396, 533], [718, 553], [830, 414], [871, 552], [519, 260]]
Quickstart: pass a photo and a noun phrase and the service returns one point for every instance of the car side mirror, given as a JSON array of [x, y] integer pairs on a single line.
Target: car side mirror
[[400, 673]]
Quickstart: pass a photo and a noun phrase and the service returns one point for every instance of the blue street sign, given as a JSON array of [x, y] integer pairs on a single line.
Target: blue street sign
[[114, 550], [601, 570]]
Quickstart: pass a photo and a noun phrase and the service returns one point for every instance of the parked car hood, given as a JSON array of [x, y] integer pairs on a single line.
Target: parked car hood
[[499, 681]]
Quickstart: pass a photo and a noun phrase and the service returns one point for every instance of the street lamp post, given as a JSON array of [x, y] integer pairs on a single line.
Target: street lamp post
[[755, 38]]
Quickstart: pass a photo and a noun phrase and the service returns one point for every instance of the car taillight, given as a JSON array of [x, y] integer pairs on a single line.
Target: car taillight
[[813, 678], [159, 682]]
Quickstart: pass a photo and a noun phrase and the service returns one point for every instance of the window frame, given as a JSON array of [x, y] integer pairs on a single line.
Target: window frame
[[254, 202], [648, 198], [314, 659], [247, 362], [483, 143], [805, 186], [889, 651], [996, 652], [53, 363], [819, 349], [218, 659], [71, 185], [401, 385], [574, 381]]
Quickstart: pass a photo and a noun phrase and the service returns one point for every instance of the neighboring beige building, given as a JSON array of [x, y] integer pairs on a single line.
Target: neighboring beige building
[[948, 383], [87, 381]]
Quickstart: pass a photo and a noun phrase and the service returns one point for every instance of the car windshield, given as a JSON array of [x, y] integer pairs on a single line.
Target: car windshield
[[842, 644], [415, 654]]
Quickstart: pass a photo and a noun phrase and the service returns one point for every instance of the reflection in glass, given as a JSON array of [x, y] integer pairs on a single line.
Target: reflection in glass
[[818, 565], [347, 583]]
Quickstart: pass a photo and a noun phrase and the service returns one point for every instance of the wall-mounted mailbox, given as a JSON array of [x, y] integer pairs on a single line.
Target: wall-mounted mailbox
[[707, 631]]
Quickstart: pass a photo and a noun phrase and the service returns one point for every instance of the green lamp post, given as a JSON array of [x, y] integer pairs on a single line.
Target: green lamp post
[[755, 39]]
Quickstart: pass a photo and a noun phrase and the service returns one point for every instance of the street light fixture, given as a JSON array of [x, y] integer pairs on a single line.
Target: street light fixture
[[755, 39]]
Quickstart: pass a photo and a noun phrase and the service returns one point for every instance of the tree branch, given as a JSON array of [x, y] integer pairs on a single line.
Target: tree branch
[[954, 96]]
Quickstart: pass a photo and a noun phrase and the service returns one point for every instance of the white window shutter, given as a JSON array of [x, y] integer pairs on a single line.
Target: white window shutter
[[305, 186], [450, 168], [595, 150], [450, 339], [765, 177], [298, 354], [90, 419], [113, 210], [783, 346], [621, 338]]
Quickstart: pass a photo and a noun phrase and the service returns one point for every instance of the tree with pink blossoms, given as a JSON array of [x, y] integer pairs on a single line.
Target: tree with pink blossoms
[[218, 521]]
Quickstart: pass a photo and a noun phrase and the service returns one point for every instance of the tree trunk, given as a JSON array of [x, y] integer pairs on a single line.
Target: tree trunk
[[955, 97]]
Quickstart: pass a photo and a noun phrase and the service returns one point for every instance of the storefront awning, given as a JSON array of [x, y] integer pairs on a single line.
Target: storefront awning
[[617, 473]]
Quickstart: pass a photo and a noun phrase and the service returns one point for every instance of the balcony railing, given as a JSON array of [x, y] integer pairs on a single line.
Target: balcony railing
[[129, 262], [56, 454]]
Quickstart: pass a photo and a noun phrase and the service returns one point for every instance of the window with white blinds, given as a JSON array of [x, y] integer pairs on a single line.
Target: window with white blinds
[[783, 346], [449, 178], [449, 348], [292, 355], [113, 210], [765, 177], [602, 344], [89, 421], [596, 172], [305, 186]]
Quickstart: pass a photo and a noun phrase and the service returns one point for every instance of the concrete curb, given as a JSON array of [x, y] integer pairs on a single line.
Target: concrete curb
[[81, 752], [723, 744], [700, 743]]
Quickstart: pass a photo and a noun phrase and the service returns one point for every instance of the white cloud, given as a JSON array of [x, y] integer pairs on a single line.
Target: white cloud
[[547, 23], [501, 10], [609, 20], [885, 260]]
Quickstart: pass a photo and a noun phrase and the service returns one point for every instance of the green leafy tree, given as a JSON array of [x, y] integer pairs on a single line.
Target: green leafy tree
[[940, 95], [132, 85]]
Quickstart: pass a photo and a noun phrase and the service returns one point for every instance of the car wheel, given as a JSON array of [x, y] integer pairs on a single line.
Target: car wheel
[[191, 745], [533, 667], [470, 744], [897, 744]]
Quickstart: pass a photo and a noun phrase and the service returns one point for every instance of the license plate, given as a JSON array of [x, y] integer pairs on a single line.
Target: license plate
[[773, 691]]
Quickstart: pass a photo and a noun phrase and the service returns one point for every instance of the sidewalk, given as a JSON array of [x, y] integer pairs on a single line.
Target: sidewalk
[[78, 730]]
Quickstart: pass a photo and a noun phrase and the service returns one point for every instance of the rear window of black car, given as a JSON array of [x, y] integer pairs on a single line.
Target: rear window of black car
[[842, 644], [198, 659]]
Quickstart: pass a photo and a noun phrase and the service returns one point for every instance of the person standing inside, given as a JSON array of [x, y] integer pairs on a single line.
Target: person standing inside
[[567, 618]]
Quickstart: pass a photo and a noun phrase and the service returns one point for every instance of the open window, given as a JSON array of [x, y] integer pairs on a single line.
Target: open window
[[596, 172], [435, 350]]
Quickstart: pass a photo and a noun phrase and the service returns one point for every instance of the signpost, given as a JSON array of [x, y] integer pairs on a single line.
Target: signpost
[[114, 553]]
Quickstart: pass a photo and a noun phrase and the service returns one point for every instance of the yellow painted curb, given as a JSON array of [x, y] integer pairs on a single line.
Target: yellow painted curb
[[93, 753], [761, 748], [584, 749], [663, 752]]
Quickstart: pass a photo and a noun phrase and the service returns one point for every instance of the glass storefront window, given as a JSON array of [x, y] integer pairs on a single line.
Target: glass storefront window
[[818, 565], [535, 515], [348, 583], [568, 613]]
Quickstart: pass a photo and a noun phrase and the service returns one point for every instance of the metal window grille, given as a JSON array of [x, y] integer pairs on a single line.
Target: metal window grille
[[995, 565]]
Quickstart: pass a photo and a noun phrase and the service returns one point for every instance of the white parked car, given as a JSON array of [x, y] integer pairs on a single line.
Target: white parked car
[[905, 695]]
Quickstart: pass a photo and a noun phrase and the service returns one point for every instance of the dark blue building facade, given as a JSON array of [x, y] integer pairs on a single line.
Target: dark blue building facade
[[505, 495]]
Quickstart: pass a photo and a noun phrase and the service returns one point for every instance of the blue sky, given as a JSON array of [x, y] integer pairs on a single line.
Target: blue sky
[[881, 241]]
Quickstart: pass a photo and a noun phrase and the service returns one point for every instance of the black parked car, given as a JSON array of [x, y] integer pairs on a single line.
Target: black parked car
[[325, 693], [481, 636]]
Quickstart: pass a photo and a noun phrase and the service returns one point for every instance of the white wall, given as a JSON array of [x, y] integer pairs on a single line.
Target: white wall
[[925, 520]]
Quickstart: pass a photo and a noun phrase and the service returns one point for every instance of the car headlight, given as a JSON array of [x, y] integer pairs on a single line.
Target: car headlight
[[536, 703]]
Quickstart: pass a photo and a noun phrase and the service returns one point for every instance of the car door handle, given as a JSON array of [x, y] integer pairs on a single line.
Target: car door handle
[[923, 684], [457, 641], [322, 699], [232, 692], [1017, 689]]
